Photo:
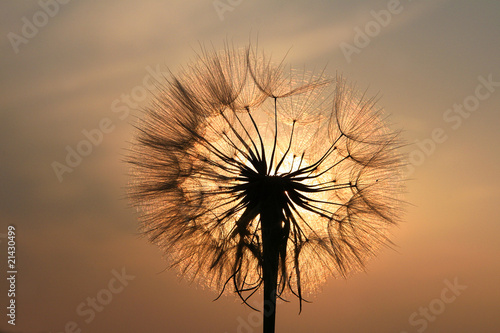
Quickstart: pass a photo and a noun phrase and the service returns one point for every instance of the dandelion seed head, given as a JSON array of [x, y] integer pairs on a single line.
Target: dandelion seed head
[[234, 136]]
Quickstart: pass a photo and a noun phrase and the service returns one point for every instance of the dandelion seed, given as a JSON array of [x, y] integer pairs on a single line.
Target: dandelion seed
[[251, 177]]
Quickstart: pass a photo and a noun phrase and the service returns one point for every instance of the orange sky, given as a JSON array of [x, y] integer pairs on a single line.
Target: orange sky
[[84, 66]]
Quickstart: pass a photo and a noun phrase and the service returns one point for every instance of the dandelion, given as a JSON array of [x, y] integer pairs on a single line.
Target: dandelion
[[253, 176]]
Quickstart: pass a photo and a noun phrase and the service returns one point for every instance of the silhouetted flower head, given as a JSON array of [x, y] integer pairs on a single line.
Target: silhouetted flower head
[[233, 137]]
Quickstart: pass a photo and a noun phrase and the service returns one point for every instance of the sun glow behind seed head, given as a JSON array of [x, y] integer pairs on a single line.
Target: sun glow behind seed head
[[232, 126]]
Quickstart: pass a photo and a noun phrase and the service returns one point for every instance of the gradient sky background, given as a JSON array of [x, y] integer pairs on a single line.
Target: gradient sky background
[[72, 234]]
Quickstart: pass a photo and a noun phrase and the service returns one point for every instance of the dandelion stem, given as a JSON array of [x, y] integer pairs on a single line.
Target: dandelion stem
[[239, 205], [274, 240], [271, 234]]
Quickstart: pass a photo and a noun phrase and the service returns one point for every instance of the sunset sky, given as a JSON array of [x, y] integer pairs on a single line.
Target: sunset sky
[[71, 67]]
